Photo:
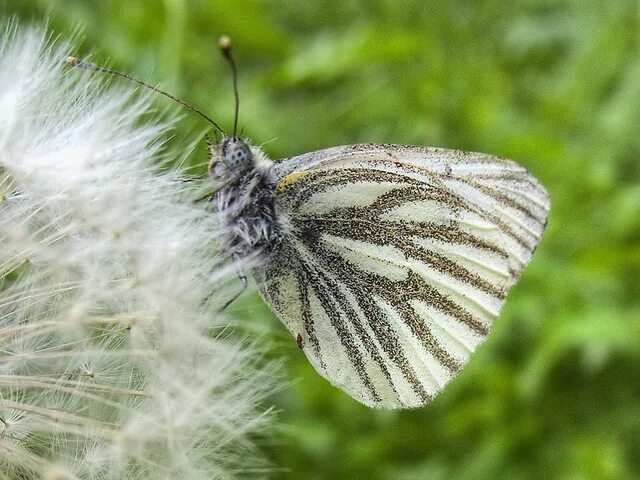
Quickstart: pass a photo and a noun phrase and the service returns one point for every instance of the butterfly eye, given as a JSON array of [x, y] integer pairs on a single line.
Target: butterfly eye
[[237, 154]]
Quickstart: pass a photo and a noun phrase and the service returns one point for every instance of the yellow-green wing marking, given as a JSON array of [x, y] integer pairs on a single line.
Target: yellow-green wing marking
[[395, 260]]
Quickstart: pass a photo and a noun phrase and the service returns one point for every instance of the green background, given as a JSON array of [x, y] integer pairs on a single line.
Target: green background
[[555, 85]]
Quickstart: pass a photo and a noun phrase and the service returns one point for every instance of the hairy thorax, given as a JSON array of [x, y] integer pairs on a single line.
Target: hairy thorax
[[245, 206]]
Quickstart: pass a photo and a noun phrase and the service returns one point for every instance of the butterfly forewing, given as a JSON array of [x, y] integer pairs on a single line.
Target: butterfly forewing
[[395, 260]]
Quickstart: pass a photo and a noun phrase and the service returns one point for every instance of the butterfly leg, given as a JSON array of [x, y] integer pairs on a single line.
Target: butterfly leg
[[209, 196], [243, 278]]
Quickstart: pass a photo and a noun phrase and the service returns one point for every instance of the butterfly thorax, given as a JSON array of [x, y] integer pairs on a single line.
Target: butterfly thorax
[[244, 199]]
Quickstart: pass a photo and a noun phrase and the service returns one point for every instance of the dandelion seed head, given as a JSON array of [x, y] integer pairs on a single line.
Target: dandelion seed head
[[106, 266]]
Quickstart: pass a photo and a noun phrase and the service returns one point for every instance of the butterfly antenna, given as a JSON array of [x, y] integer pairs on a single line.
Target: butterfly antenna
[[225, 47], [78, 63]]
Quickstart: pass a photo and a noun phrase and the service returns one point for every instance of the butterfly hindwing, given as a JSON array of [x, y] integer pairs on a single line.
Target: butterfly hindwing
[[395, 261]]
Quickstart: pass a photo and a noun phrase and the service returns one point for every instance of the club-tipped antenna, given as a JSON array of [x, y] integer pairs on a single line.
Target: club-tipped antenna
[[79, 63], [225, 47]]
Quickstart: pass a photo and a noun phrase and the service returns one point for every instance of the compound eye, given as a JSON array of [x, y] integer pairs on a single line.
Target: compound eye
[[237, 154]]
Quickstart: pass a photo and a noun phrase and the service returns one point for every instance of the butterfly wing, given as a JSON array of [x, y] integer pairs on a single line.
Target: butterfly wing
[[395, 261]]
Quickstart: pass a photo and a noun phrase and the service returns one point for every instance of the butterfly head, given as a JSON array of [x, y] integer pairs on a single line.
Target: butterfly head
[[230, 155], [236, 154]]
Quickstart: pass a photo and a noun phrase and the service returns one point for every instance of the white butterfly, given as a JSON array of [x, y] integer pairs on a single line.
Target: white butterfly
[[387, 263]]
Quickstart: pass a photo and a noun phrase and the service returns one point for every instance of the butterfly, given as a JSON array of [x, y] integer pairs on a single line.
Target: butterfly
[[386, 263]]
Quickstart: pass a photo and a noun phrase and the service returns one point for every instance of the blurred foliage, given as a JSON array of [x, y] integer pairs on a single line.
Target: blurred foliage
[[554, 84]]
